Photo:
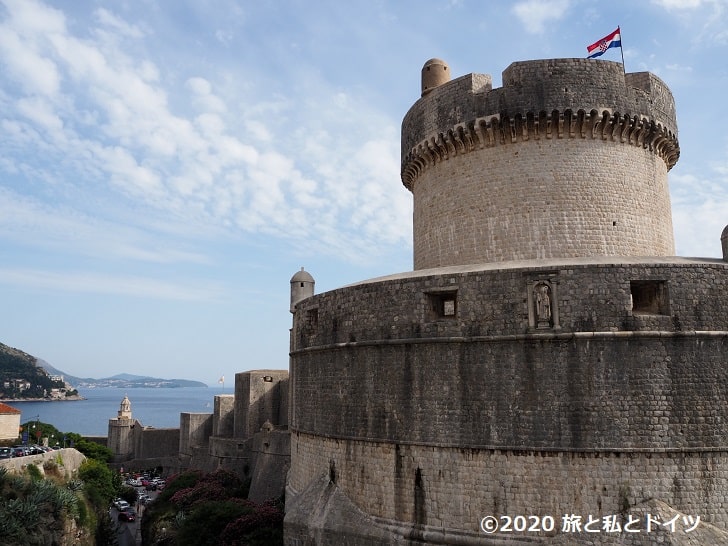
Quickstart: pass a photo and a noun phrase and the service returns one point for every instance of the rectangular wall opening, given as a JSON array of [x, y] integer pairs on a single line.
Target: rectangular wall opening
[[312, 319], [650, 297], [442, 305]]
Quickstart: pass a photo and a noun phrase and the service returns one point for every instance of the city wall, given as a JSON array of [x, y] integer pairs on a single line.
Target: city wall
[[409, 490], [427, 418], [67, 460], [246, 434]]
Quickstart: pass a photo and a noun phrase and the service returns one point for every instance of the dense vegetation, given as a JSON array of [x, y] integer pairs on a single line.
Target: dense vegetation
[[43, 507], [197, 509], [34, 510]]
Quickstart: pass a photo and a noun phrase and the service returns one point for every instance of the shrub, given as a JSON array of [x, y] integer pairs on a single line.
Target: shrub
[[262, 526], [34, 472], [207, 521], [98, 482]]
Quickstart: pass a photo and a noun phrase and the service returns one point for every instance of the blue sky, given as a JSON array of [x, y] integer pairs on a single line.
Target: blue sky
[[166, 167]]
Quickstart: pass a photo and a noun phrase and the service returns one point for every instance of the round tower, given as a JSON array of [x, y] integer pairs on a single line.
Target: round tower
[[430, 406], [568, 159], [302, 285], [724, 243]]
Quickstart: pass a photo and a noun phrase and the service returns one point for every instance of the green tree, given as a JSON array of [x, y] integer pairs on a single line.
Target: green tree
[[99, 483], [204, 524], [92, 450]]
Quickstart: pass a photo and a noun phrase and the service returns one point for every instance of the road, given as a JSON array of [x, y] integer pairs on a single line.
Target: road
[[129, 532]]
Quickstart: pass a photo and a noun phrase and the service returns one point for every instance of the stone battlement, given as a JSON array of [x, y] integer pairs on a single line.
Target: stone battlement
[[496, 130], [536, 87], [568, 159]]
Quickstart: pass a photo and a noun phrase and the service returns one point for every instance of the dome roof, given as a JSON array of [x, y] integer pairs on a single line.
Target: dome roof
[[302, 276], [724, 235]]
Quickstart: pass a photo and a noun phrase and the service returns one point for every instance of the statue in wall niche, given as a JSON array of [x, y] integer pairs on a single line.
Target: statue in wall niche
[[542, 296]]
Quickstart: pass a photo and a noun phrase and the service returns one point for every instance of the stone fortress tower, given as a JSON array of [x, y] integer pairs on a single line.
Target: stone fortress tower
[[120, 439], [548, 355]]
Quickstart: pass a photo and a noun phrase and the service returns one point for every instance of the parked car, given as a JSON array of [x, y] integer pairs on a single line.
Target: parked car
[[6, 453], [121, 505], [127, 515]]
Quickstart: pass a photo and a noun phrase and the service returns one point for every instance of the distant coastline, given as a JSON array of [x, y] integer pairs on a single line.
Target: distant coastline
[[73, 398]]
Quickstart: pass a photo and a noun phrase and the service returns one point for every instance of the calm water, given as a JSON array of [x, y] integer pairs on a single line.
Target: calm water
[[158, 408]]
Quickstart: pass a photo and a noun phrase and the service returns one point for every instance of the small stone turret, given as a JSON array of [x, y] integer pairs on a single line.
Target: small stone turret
[[434, 73], [724, 243], [124, 409], [302, 285]]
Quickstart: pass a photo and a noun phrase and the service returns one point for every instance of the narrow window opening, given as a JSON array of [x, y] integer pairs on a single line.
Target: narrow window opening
[[443, 305], [312, 318], [649, 297]]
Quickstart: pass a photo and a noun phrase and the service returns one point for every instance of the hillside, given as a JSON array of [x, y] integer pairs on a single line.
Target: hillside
[[21, 377], [30, 377]]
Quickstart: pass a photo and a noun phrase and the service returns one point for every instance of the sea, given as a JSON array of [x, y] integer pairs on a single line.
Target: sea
[[154, 407]]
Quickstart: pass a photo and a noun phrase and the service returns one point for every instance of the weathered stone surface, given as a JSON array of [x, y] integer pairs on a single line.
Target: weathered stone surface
[[568, 159], [535, 363]]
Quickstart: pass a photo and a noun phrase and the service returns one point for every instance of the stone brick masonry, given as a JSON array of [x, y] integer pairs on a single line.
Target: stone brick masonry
[[547, 356], [569, 158]]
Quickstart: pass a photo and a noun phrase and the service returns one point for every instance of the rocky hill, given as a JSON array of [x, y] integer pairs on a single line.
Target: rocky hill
[[21, 377], [24, 376]]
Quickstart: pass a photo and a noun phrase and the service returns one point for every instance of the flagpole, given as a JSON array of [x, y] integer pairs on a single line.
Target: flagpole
[[621, 50]]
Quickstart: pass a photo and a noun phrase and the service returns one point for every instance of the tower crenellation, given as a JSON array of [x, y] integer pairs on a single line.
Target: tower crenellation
[[569, 158]]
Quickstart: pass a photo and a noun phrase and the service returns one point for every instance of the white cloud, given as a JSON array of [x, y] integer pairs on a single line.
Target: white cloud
[[117, 25], [83, 282], [680, 4], [706, 19], [31, 70], [694, 197], [66, 231], [536, 14], [41, 112], [267, 162]]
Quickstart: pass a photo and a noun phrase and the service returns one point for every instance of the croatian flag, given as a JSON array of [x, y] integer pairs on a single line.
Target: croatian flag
[[599, 47]]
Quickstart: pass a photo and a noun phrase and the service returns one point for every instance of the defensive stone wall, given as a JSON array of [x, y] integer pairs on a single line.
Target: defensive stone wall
[[416, 487], [458, 378], [568, 159], [272, 460], [155, 442], [223, 423], [554, 393], [195, 431], [592, 295], [66, 460], [261, 396]]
